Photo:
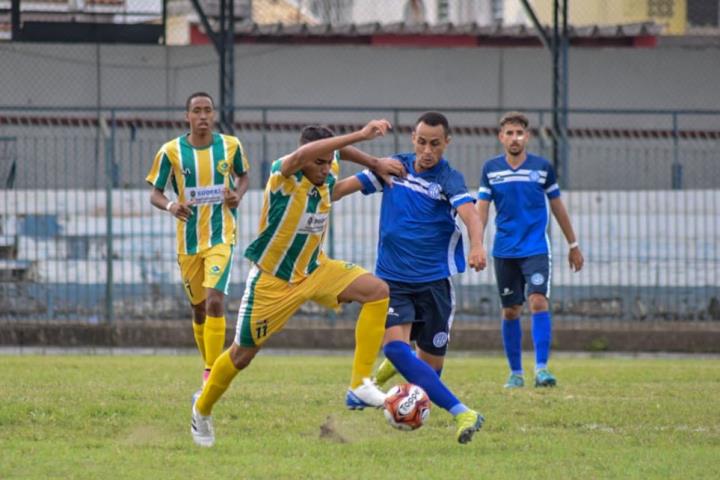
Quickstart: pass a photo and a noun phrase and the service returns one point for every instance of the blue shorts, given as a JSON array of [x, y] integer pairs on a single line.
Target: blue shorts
[[429, 306], [515, 274]]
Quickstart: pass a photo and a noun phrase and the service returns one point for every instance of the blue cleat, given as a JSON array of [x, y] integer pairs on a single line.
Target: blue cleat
[[515, 381], [543, 378]]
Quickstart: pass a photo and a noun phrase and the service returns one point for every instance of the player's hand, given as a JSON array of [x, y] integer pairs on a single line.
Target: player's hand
[[576, 259], [181, 211], [232, 199], [375, 128], [477, 258], [387, 168]]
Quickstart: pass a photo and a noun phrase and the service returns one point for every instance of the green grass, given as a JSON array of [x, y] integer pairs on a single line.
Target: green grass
[[110, 417]]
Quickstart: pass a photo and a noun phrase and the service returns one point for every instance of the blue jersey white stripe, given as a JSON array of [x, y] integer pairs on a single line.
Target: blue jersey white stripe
[[419, 240], [521, 198]]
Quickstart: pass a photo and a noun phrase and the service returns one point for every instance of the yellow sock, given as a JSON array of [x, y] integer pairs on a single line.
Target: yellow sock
[[369, 332], [385, 372], [214, 338], [221, 375], [198, 330]]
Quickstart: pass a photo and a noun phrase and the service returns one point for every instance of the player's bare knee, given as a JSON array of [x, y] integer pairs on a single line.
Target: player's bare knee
[[214, 305], [199, 313], [538, 303], [380, 291], [241, 357], [512, 313]]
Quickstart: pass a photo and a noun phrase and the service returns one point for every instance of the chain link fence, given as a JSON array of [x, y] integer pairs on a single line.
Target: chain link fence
[[79, 239], [80, 123]]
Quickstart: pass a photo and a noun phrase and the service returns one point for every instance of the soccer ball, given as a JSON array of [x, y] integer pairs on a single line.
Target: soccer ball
[[407, 407]]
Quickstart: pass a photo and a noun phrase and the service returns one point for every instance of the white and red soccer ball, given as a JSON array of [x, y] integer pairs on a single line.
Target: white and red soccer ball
[[407, 406]]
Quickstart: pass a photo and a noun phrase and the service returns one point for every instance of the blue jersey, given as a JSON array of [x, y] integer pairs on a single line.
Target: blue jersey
[[419, 240], [521, 202]]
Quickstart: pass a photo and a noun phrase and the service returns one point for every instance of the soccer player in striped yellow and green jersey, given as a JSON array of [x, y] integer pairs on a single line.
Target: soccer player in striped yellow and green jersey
[[290, 268], [208, 172]]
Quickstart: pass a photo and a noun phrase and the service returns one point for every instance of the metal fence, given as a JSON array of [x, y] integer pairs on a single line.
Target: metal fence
[[80, 241]]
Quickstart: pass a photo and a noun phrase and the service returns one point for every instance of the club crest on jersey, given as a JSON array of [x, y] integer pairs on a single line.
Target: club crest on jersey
[[223, 167], [537, 279], [186, 172], [534, 176], [434, 191]]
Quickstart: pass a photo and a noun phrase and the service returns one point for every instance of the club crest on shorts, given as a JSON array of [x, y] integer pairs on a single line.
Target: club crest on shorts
[[440, 339], [537, 279], [215, 270]]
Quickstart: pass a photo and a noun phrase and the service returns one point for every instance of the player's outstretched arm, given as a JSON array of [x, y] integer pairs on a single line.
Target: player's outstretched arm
[[345, 187], [575, 256], [477, 259], [385, 168], [309, 152]]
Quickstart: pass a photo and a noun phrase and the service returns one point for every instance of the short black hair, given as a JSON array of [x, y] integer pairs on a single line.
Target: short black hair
[[196, 95], [434, 119], [515, 118], [311, 133]]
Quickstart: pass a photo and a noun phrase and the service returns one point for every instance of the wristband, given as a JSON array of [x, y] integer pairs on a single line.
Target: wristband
[[170, 204], [573, 245]]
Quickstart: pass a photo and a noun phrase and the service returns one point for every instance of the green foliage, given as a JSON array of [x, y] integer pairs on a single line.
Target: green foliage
[[112, 417]]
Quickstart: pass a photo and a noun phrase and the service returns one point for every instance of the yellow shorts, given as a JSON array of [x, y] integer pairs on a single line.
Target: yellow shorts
[[268, 302], [207, 269]]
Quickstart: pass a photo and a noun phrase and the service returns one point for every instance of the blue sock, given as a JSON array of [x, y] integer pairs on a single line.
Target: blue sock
[[542, 335], [512, 340], [420, 373]]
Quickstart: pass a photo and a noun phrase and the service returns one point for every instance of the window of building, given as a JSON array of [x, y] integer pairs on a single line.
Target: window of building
[[660, 8]]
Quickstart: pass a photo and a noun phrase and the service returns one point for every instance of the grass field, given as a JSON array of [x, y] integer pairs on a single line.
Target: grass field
[[113, 417]]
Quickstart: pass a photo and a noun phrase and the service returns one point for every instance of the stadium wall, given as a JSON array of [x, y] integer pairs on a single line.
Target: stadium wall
[[671, 77]]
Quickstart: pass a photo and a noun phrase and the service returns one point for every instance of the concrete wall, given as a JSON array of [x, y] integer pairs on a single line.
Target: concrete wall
[[141, 76]]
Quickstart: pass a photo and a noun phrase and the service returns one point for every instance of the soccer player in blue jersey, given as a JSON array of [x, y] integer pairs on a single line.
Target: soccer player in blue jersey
[[419, 248], [521, 185]]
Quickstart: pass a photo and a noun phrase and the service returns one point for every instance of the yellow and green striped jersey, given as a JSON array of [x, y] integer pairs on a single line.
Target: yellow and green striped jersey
[[198, 176], [293, 223]]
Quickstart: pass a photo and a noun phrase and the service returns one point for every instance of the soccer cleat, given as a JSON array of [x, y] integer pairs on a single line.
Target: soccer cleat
[[366, 395], [467, 424], [201, 426], [515, 381], [543, 378], [206, 375], [385, 372]]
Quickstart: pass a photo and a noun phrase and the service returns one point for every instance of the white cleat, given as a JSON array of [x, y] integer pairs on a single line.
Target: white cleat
[[201, 427], [366, 395]]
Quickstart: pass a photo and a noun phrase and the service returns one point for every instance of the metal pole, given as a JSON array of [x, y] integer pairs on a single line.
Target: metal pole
[[677, 173], [396, 127], [565, 146], [164, 21], [221, 53], [555, 89], [264, 162], [15, 19], [109, 161], [230, 66]]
